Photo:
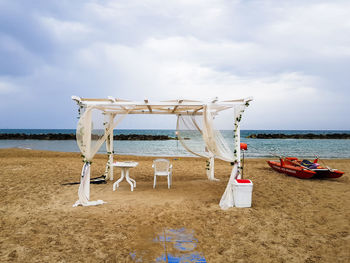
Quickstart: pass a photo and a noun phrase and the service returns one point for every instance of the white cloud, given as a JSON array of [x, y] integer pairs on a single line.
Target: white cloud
[[291, 56], [7, 88], [65, 31], [189, 67], [309, 29]]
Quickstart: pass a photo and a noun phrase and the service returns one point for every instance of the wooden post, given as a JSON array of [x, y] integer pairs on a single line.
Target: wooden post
[[211, 167], [237, 139], [238, 149], [87, 135], [111, 146]]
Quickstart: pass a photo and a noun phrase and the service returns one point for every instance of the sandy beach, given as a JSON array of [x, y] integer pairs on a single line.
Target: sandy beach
[[291, 220]]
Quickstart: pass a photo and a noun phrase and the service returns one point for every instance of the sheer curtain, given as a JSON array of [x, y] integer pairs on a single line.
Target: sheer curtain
[[201, 133], [92, 131], [227, 198]]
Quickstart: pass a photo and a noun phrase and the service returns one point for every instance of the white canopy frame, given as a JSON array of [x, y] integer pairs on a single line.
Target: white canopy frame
[[113, 108]]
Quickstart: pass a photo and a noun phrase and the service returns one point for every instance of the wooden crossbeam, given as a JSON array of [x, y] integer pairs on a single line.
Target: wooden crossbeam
[[179, 101], [111, 99], [82, 99], [148, 106], [198, 109], [121, 100], [240, 100], [154, 112], [222, 108], [172, 101]]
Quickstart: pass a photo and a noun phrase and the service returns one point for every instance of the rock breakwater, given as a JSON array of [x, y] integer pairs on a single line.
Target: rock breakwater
[[72, 136], [300, 136]]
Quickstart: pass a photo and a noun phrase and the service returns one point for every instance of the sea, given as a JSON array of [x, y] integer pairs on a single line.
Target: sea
[[257, 148]]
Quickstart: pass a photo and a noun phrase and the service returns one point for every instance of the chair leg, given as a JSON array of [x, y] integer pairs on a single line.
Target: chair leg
[[154, 182], [169, 182]]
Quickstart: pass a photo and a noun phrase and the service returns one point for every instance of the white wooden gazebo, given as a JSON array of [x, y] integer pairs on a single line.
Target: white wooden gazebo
[[110, 111]]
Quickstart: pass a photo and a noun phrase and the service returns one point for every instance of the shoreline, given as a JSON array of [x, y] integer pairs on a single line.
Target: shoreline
[[271, 157]]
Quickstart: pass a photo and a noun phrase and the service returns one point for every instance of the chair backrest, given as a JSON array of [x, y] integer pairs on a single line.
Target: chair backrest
[[161, 165]]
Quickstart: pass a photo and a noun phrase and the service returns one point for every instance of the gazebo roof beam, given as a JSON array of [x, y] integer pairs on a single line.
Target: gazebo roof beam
[[148, 106], [214, 100], [240, 100], [179, 101], [111, 99], [173, 105], [222, 108], [154, 112], [94, 100], [183, 100]]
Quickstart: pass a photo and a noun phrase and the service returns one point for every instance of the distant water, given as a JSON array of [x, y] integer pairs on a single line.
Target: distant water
[[257, 148]]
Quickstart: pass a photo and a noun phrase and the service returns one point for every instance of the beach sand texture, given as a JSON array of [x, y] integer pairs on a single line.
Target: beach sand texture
[[291, 220]]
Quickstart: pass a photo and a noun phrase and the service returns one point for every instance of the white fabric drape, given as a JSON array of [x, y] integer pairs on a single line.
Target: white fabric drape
[[215, 143], [201, 133], [190, 135], [189, 131], [219, 147], [213, 138], [91, 133], [84, 188], [227, 198]]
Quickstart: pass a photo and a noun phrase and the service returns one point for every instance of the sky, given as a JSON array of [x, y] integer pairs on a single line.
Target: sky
[[292, 57]]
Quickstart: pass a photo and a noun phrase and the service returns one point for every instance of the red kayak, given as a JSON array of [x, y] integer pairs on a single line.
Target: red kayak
[[303, 168]]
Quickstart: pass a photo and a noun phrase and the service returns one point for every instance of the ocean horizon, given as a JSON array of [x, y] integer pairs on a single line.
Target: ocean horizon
[[257, 148]]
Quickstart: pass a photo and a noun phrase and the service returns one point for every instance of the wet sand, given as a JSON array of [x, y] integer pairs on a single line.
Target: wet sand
[[291, 220]]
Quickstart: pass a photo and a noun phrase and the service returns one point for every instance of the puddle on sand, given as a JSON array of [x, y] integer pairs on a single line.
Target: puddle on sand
[[179, 246]]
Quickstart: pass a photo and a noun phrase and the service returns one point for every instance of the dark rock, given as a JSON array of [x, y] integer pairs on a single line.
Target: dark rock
[[299, 136], [142, 137], [60, 136]]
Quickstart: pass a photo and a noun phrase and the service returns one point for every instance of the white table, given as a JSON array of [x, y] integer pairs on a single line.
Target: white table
[[125, 166]]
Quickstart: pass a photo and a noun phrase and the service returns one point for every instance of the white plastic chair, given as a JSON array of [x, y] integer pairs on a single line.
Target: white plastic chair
[[162, 167]]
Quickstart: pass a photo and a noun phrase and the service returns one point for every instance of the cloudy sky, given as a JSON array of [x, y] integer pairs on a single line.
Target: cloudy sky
[[292, 56]]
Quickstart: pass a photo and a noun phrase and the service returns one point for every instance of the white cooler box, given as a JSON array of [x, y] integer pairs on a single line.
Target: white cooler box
[[242, 192]]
